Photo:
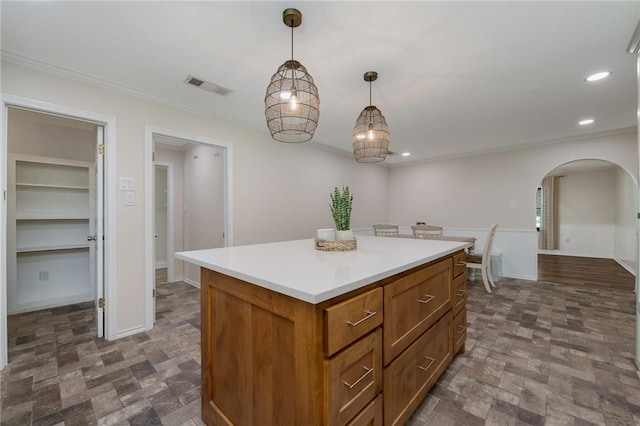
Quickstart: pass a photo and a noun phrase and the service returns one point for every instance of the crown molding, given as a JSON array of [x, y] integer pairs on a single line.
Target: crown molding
[[36, 64], [529, 145]]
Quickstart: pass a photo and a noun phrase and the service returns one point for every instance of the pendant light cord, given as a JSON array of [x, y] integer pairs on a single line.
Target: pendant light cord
[[293, 71]]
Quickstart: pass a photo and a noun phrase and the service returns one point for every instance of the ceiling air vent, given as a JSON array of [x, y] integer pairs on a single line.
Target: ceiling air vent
[[205, 85]]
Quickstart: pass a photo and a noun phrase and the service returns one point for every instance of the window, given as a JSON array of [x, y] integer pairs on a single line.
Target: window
[[538, 208]]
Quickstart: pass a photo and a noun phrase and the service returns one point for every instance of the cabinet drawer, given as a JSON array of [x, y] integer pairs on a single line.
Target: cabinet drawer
[[371, 415], [353, 378], [459, 330], [459, 263], [346, 322], [413, 303], [459, 293], [410, 376]]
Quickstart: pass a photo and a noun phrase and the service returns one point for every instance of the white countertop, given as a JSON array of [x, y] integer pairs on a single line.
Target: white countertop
[[297, 269]]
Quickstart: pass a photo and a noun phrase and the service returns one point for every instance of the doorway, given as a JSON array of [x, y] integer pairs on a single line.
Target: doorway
[[595, 219], [77, 221], [199, 191]]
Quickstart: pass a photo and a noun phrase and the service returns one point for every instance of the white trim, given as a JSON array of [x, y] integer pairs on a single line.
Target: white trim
[[190, 282], [169, 263], [49, 68], [160, 264], [110, 126], [625, 266], [149, 132], [130, 331]]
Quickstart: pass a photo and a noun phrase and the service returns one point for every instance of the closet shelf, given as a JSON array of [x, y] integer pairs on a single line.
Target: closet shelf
[[50, 187], [62, 215], [52, 248]]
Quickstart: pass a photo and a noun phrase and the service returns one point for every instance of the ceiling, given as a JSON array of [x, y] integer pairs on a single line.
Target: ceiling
[[454, 78]]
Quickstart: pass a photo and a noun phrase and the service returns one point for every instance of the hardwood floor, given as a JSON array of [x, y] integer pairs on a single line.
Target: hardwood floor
[[589, 271]]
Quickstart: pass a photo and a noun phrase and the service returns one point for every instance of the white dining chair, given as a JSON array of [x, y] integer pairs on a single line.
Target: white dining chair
[[385, 230], [482, 261], [430, 232]]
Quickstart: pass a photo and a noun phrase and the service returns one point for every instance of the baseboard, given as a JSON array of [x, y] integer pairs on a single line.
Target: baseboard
[[625, 266], [130, 331], [566, 253], [51, 303], [520, 277], [161, 264], [190, 282]]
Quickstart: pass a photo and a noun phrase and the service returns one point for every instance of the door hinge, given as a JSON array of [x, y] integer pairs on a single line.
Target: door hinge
[[101, 148], [154, 292], [101, 302], [153, 156]]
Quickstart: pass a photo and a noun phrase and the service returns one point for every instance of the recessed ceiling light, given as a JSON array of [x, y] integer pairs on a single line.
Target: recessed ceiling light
[[406, 154], [598, 76], [585, 122]]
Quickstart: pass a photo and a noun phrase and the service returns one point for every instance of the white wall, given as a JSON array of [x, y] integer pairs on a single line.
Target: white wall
[[587, 202], [625, 241], [175, 158], [203, 207], [281, 191], [161, 216], [469, 194]]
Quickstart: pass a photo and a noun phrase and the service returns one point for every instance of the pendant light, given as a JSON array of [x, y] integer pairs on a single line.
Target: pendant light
[[371, 133], [291, 104]]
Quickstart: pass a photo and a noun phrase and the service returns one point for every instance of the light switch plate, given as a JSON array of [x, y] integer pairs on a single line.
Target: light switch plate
[[126, 184], [129, 198]]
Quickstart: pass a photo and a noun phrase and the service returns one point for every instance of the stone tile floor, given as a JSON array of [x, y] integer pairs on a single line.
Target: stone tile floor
[[61, 374], [537, 353]]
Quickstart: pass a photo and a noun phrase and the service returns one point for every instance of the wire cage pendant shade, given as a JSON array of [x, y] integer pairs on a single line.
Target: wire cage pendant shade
[[291, 103], [371, 132]]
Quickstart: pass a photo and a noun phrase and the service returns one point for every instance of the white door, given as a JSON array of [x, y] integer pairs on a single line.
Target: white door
[[98, 236]]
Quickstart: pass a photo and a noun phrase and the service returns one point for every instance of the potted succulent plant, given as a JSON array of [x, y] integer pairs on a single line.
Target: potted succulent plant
[[341, 204]]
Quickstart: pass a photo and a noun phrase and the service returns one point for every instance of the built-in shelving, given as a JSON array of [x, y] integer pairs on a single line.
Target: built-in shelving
[[50, 211]]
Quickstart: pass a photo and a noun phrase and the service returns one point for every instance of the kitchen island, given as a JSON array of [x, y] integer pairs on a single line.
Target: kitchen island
[[296, 336]]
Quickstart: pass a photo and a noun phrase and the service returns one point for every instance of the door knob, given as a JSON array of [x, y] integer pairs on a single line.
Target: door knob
[[92, 238]]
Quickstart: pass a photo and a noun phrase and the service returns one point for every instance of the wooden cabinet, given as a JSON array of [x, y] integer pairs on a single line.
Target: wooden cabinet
[[353, 378], [367, 357], [459, 302], [51, 206], [348, 321], [412, 304], [410, 376]]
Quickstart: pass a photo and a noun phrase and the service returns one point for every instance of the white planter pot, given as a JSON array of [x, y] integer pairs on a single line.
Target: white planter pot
[[344, 235]]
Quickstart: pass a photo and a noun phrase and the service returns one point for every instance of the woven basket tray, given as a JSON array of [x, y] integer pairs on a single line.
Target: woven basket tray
[[336, 245]]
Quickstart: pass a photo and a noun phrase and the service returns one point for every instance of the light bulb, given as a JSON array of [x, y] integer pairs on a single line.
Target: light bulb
[[370, 133], [285, 94], [294, 98]]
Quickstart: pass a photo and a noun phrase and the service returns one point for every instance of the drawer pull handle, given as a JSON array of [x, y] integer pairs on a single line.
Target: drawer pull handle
[[461, 264], [429, 299], [367, 372], [369, 315], [460, 329], [460, 292], [431, 361]]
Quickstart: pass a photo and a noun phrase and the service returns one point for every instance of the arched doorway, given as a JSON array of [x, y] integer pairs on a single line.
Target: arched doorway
[[593, 225]]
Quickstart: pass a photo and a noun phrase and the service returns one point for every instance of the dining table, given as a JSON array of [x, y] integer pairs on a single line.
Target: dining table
[[470, 240]]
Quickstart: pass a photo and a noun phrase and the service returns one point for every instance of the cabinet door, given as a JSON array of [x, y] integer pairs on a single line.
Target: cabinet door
[[370, 416], [459, 293], [410, 376], [353, 378], [460, 331], [413, 303], [459, 264], [348, 321]]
